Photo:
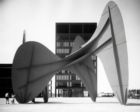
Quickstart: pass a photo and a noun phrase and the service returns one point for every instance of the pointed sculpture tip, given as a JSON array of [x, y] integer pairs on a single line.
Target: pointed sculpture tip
[[24, 36], [124, 104], [94, 99]]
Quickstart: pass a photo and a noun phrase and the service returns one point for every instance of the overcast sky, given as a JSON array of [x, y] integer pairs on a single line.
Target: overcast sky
[[38, 18]]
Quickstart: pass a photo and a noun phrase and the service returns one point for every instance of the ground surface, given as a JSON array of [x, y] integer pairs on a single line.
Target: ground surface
[[103, 104]]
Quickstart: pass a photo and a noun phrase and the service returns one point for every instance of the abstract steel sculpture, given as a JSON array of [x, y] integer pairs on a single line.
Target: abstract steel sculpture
[[34, 64]]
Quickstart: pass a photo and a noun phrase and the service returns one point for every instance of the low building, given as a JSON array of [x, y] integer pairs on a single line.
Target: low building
[[5, 79]]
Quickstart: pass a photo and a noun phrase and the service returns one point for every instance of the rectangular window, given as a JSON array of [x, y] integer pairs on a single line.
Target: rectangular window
[[59, 91], [49, 87], [76, 28], [90, 28], [65, 44], [58, 44], [59, 51], [56, 84], [62, 37], [87, 37], [70, 84], [63, 71], [56, 50], [95, 64], [67, 84], [62, 77], [71, 44], [59, 77], [56, 77], [62, 51], [62, 28], [70, 77], [67, 77], [67, 51]]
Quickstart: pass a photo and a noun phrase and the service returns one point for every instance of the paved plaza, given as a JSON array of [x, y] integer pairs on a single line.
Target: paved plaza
[[103, 104]]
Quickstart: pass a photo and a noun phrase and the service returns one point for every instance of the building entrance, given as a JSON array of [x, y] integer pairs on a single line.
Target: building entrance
[[65, 93], [75, 92]]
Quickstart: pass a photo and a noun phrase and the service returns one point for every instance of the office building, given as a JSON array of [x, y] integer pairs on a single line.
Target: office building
[[68, 84]]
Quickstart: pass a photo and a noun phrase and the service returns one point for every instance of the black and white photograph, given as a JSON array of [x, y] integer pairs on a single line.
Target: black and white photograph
[[70, 55]]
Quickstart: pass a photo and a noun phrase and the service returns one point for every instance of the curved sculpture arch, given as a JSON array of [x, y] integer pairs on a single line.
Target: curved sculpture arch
[[34, 64]]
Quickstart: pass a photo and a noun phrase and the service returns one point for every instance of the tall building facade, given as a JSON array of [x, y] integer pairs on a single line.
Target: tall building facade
[[68, 84]]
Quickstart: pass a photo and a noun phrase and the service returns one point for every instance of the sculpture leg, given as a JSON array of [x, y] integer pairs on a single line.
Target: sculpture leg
[[114, 56], [45, 94], [85, 70]]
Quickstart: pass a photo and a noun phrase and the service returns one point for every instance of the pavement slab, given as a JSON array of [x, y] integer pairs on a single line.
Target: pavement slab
[[65, 104]]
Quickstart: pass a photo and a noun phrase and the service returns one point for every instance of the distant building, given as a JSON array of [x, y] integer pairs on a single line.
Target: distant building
[[5, 79], [67, 84]]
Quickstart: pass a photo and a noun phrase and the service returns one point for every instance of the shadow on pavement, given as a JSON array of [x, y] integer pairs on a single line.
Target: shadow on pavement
[[37, 102], [133, 104], [56, 103], [108, 102]]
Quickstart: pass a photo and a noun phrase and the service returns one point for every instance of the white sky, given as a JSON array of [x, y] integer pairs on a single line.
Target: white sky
[[38, 18]]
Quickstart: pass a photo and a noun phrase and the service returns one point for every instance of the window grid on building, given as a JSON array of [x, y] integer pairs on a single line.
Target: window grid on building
[[63, 51], [65, 36], [71, 44], [62, 44]]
